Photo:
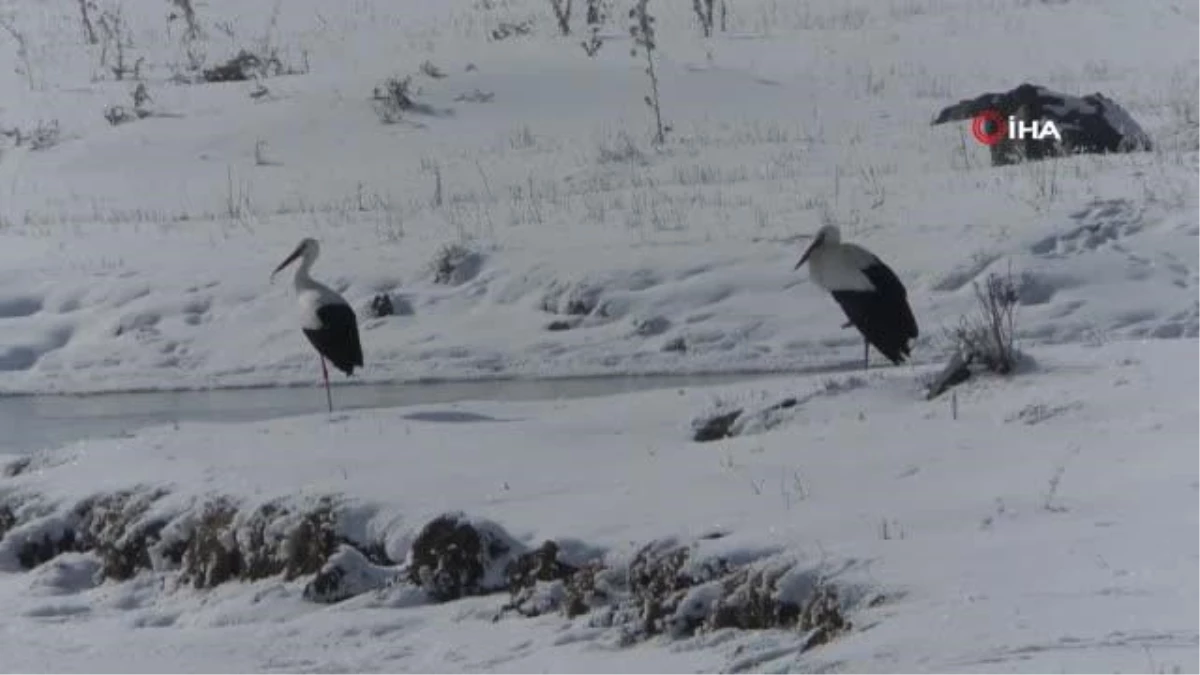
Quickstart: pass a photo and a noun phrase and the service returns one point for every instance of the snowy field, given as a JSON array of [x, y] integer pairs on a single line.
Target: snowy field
[[137, 256], [1050, 528], [1043, 522]]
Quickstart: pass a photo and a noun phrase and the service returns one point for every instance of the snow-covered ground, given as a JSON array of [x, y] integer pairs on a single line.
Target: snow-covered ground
[[1051, 526], [137, 256]]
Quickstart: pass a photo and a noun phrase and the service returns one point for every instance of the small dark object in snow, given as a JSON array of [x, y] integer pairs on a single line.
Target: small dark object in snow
[[506, 29], [1092, 124], [717, 427], [957, 371], [34, 552], [8, 519], [559, 325], [476, 96], [16, 468], [237, 69], [721, 426], [786, 403], [381, 306], [677, 344]]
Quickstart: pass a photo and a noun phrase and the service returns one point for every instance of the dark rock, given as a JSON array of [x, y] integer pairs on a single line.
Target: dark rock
[[560, 325], [1091, 124]]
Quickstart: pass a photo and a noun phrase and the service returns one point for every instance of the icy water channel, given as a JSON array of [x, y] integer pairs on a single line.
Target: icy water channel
[[28, 423]]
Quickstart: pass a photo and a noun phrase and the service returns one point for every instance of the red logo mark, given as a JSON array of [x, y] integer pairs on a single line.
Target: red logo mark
[[989, 127]]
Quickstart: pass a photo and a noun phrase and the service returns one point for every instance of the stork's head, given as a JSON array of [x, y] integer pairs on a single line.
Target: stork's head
[[826, 236], [307, 249]]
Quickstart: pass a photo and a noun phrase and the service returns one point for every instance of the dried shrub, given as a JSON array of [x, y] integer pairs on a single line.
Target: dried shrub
[[987, 337], [392, 99], [508, 29], [562, 15], [456, 264]]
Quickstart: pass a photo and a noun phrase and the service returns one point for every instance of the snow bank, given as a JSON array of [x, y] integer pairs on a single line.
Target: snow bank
[[1048, 513]]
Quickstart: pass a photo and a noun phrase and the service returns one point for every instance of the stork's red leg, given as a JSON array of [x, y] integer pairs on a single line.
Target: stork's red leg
[[325, 374]]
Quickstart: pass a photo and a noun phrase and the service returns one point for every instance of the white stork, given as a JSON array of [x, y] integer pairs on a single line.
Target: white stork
[[327, 319], [868, 291]]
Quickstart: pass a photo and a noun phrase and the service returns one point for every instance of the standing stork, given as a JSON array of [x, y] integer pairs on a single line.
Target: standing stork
[[868, 291], [327, 319]]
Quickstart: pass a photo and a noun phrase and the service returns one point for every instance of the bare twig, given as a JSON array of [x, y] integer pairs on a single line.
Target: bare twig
[[89, 31], [18, 36], [704, 12], [562, 14], [644, 37]]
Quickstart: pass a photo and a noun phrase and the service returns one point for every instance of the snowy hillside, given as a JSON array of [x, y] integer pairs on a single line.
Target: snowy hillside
[[523, 224], [137, 256]]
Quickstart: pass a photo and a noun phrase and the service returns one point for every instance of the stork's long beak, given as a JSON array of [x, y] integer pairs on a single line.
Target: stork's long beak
[[290, 259], [808, 252]]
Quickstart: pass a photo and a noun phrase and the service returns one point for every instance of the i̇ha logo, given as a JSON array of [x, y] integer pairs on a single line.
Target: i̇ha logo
[[989, 127]]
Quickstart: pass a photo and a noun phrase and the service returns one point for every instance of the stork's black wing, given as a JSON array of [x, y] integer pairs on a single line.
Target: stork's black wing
[[888, 285], [337, 338], [882, 315]]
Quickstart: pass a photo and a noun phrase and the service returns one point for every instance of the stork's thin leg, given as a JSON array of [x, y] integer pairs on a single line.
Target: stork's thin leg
[[325, 374]]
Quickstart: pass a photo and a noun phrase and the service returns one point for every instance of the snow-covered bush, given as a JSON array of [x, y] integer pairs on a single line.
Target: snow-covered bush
[[455, 264]]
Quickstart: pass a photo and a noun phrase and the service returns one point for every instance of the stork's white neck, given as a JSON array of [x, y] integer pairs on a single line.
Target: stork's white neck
[[303, 281]]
